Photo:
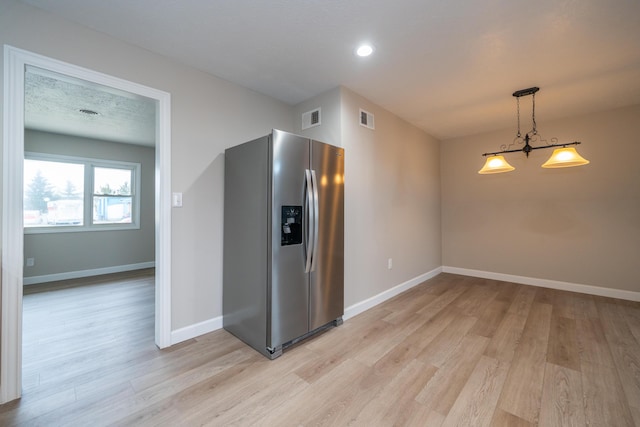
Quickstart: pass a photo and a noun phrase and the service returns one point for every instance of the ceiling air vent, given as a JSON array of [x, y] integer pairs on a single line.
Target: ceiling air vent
[[366, 119], [311, 119]]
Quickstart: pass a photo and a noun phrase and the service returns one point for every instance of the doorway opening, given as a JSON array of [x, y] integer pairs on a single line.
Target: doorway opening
[[16, 62]]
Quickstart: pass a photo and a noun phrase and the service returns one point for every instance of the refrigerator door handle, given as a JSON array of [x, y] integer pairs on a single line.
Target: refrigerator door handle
[[316, 219], [309, 214]]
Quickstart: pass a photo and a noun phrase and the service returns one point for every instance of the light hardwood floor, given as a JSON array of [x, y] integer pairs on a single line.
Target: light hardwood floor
[[452, 351]]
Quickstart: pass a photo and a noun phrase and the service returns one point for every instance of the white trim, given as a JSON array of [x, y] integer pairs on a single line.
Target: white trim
[[12, 237], [201, 328], [163, 219], [195, 330], [545, 283], [86, 273], [15, 61], [365, 305]]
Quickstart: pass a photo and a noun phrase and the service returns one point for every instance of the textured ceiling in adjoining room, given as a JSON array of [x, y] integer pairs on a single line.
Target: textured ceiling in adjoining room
[[55, 103], [447, 67]]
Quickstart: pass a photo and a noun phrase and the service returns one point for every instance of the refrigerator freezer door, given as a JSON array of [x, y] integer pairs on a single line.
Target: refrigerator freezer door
[[289, 285], [326, 299]]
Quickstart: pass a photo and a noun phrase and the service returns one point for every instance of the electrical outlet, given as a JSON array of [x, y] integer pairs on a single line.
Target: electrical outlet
[[31, 262], [390, 263]]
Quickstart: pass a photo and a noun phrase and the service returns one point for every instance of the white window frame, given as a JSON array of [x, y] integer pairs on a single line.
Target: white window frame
[[89, 165]]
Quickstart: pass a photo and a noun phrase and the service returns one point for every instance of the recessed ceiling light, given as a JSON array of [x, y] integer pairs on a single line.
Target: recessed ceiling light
[[364, 50]]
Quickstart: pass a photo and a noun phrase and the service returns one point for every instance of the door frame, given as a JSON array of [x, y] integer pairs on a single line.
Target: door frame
[[15, 61]]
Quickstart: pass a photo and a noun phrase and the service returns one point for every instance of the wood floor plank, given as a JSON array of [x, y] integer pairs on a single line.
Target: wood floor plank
[[624, 349], [412, 323], [632, 315], [523, 388], [442, 390], [194, 357], [331, 356], [475, 300], [85, 404], [490, 318], [584, 306], [441, 283], [507, 291], [505, 340], [404, 308], [246, 412], [562, 403], [249, 379], [593, 346], [477, 401], [563, 304], [33, 409], [326, 400], [254, 385], [545, 296], [444, 299], [604, 400], [503, 418], [393, 362], [523, 300], [165, 391], [408, 324], [563, 347], [438, 351], [635, 413], [392, 405], [371, 352], [420, 416]]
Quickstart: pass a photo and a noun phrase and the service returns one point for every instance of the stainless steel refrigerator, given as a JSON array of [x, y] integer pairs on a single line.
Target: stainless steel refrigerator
[[283, 275]]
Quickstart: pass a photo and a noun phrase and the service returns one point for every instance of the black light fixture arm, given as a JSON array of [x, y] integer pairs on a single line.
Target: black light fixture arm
[[528, 148]]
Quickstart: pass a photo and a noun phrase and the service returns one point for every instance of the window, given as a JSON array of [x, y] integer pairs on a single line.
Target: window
[[112, 199], [64, 193]]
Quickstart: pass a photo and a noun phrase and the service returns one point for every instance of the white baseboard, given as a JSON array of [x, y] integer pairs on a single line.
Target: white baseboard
[[545, 283], [195, 330], [365, 305], [86, 273]]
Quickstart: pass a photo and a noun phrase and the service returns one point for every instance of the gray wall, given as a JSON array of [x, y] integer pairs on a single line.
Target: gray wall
[[68, 252], [392, 193], [578, 225], [208, 114]]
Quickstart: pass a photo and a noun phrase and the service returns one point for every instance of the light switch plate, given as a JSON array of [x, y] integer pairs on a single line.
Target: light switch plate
[[176, 200]]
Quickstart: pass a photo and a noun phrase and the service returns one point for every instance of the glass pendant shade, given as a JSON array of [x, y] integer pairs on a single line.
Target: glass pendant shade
[[496, 164], [565, 157]]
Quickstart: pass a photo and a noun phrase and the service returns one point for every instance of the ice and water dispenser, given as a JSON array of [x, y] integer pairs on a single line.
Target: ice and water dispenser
[[291, 225]]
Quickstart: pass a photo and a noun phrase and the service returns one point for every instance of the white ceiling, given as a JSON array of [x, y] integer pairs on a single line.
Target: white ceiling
[[449, 67]]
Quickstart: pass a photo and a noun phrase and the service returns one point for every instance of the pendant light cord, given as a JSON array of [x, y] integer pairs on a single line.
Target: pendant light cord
[[518, 107], [533, 117]]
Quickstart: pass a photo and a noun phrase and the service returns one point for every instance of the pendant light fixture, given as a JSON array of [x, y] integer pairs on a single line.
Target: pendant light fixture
[[563, 156], [496, 164]]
